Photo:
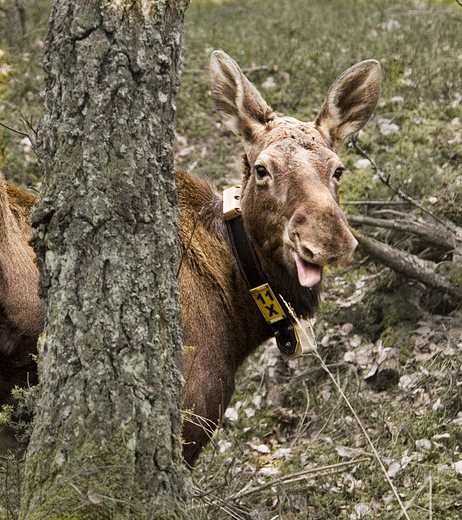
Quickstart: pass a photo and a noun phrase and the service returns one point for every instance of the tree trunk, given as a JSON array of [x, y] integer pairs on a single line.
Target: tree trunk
[[107, 425]]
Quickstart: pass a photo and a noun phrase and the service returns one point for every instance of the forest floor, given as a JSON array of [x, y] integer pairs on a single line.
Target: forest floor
[[378, 434], [381, 420]]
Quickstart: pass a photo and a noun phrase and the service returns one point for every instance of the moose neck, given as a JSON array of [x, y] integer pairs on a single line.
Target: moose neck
[[206, 248], [209, 272]]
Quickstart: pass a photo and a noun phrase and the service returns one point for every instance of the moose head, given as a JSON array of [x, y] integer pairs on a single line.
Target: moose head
[[292, 174]]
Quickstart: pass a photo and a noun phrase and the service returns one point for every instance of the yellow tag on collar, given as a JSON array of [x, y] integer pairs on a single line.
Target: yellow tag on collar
[[267, 303]]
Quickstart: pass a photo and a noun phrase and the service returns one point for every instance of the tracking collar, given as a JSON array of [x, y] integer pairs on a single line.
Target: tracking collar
[[293, 339]]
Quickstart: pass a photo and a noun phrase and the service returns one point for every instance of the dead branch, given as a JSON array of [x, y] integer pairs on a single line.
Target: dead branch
[[13, 129], [293, 477], [409, 265], [435, 235], [28, 124], [392, 212], [385, 178]]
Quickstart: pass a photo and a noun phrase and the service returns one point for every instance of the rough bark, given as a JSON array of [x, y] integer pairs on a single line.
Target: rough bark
[[107, 425]]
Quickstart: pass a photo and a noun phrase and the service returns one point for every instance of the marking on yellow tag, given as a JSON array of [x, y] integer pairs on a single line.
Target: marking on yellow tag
[[267, 303]]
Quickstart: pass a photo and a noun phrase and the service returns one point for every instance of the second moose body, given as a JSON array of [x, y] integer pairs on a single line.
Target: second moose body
[[290, 180]]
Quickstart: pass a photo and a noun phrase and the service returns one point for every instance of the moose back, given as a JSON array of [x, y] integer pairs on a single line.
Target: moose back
[[289, 212]]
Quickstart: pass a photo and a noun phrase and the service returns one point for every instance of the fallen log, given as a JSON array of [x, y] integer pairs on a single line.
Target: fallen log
[[432, 234], [412, 266]]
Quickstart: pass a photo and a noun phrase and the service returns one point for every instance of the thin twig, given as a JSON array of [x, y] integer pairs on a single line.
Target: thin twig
[[28, 124], [386, 180], [77, 489], [295, 477], [206, 424], [369, 440], [430, 496], [375, 202], [416, 495], [431, 233], [459, 2], [33, 188], [13, 129], [358, 420], [217, 501], [392, 213]]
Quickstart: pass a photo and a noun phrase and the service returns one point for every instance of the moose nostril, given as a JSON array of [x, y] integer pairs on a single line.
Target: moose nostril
[[307, 253]]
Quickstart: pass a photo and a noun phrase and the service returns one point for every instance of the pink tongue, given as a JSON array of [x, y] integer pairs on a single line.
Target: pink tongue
[[308, 274]]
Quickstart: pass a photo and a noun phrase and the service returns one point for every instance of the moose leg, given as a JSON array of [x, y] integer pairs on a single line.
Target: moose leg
[[204, 411], [197, 432]]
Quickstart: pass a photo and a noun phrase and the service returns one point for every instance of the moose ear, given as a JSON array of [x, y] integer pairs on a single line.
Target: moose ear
[[350, 102], [240, 105]]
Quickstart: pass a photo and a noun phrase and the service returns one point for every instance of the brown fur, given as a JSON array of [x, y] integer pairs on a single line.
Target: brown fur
[[292, 208], [21, 311]]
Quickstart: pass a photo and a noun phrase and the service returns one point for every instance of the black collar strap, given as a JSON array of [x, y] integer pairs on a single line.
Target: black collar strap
[[272, 308]]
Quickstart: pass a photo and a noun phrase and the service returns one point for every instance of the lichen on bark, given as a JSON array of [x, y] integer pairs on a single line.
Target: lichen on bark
[[107, 426]]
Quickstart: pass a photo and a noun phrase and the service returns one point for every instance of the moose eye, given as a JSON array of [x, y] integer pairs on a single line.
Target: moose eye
[[338, 173], [261, 172]]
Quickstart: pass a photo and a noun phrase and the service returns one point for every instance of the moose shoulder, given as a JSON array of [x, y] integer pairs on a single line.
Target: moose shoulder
[[289, 213]]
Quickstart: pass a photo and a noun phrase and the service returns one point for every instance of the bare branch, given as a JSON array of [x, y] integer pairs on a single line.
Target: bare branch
[[392, 212], [375, 203], [28, 124], [295, 477], [435, 235], [386, 180], [13, 129], [409, 265]]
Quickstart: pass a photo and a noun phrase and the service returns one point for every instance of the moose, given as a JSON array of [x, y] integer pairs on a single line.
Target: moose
[[288, 219], [21, 310]]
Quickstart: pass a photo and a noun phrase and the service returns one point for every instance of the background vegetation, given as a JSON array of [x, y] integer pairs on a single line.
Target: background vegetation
[[394, 347]]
